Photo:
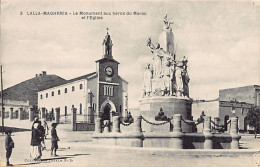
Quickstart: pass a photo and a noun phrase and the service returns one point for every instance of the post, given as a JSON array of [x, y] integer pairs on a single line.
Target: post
[[216, 121], [31, 114], [234, 133], [57, 115], [208, 143], [2, 95], [98, 128], [74, 111], [137, 140], [116, 124], [20, 113], [138, 124], [176, 141]]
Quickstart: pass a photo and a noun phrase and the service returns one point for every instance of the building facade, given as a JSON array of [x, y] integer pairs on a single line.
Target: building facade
[[231, 102], [98, 94], [237, 102]]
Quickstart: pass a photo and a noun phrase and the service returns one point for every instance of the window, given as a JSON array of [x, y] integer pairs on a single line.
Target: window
[[80, 108], [46, 95], [66, 90], [80, 86], [52, 93], [73, 88], [41, 96], [58, 92], [108, 90]]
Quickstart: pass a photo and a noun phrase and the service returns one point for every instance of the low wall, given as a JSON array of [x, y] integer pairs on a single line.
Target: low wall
[[162, 140], [25, 124], [175, 139]]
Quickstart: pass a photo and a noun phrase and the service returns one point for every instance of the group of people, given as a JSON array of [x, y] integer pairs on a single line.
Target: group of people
[[39, 133], [165, 74]]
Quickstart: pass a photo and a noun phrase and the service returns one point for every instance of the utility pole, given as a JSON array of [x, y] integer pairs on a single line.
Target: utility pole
[[2, 95]]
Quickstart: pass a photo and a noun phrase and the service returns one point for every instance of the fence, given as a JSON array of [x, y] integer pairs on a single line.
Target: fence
[[175, 139], [83, 122]]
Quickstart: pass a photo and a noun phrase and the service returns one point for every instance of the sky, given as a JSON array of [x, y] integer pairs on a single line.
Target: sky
[[221, 40]]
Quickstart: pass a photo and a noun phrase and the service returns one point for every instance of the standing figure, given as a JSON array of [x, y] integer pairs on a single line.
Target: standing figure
[[173, 79], [46, 128], [42, 134], [35, 152], [186, 80], [179, 82], [9, 145], [167, 63], [54, 140], [157, 58], [147, 81]]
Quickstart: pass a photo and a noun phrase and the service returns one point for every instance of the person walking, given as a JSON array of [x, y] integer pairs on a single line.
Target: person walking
[[9, 145], [42, 134], [46, 128], [54, 140], [35, 152]]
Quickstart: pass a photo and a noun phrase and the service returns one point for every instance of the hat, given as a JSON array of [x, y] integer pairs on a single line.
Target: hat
[[8, 131], [54, 124]]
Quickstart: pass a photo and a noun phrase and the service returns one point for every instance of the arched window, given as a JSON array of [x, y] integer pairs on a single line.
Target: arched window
[[66, 90], [41, 96], [73, 88], [46, 95], [58, 92], [80, 86], [80, 108], [52, 93]]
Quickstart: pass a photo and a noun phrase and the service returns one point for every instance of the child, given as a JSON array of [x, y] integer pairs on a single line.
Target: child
[[9, 145], [54, 139]]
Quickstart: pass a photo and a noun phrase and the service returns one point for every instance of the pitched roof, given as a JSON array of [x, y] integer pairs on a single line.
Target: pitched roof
[[81, 77], [27, 90]]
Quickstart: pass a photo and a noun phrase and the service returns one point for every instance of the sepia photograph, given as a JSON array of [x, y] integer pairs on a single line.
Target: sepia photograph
[[130, 83]]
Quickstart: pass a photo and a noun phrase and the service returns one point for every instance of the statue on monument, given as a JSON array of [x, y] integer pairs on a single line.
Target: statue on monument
[[147, 81], [107, 43], [165, 76], [167, 22]]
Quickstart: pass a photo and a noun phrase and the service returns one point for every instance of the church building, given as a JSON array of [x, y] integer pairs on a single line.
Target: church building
[[102, 93]]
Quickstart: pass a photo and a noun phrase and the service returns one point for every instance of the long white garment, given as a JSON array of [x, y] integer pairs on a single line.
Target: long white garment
[[35, 152]]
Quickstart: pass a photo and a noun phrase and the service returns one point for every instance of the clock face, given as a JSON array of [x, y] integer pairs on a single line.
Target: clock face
[[109, 71]]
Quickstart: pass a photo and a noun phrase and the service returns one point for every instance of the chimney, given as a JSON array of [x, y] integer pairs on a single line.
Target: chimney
[[44, 73]]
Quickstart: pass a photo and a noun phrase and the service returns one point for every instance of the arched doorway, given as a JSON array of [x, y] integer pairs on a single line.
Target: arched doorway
[[226, 118], [106, 109]]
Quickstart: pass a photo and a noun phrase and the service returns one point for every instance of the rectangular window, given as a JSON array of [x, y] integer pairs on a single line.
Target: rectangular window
[[108, 90]]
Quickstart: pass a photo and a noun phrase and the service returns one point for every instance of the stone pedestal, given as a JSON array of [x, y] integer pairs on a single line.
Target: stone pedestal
[[150, 107], [166, 39]]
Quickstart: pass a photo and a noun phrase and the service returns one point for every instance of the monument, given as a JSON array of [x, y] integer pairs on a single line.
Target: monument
[[165, 119], [166, 81]]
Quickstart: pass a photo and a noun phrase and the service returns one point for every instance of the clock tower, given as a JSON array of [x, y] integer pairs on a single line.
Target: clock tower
[[109, 87]]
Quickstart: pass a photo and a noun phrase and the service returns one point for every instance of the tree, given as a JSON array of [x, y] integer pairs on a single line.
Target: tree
[[253, 118]]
